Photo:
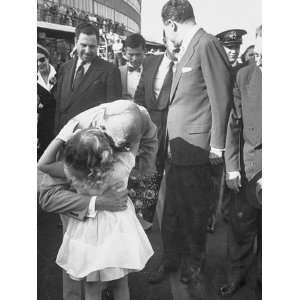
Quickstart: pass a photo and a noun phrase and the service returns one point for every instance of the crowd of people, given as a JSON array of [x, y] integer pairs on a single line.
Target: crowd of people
[[118, 144], [65, 15]]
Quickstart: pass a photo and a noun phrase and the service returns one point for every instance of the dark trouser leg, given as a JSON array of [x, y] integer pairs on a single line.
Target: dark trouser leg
[[170, 228], [193, 191], [244, 226]]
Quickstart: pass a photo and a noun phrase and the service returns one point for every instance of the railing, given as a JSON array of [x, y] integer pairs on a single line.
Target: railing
[[71, 17]]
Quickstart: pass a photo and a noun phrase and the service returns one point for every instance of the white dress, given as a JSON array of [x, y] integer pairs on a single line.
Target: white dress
[[110, 245]]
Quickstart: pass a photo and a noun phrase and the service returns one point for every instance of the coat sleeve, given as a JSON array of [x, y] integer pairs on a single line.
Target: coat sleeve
[[217, 76], [234, 135], [55, 196], [114, 85], [148, 145]]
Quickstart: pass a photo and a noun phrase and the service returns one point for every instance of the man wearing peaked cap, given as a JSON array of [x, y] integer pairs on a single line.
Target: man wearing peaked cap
[[231, 41]]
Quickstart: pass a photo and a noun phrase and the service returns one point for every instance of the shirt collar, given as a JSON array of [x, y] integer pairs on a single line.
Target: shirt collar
[[79, 62], [130, 65], [187, 38]]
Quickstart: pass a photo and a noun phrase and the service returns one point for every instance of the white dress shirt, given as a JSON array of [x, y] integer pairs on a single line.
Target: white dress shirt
[[161, 74], [133, 79]]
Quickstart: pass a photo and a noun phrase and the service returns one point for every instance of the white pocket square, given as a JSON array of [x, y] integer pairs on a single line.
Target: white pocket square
[[186, 69]]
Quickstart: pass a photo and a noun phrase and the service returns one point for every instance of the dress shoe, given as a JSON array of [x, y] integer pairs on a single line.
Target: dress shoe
[[162, 273], [197, 285], [185, 275], [230, 288]]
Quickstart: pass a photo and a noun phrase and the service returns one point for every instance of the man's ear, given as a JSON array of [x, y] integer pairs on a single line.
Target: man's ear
[[173, 25]]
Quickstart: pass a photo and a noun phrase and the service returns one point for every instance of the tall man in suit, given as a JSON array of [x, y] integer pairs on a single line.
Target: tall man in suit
[[243, 159], [200, 102], [135, 47], [86, 80]]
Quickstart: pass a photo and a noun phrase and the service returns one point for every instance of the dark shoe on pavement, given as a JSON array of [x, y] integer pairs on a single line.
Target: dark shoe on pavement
[[161, 273], [230, 288], [197, 285], [185, 274]]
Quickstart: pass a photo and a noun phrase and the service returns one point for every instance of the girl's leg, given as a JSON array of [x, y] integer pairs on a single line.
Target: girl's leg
[[93, 290], [120, 289]]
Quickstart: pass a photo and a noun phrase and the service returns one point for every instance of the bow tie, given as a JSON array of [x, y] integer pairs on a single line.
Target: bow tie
[[134, 69]]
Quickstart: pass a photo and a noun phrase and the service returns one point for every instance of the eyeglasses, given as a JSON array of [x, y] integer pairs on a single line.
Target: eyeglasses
[[41, 60]]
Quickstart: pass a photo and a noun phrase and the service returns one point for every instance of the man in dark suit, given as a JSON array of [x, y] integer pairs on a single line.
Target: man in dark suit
[[200, 102], [243, 158], [86, 80]]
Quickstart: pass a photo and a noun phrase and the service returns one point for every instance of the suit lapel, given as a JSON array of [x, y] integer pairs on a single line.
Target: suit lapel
[[67, 83], [151, 76], [184, 60], [90, 76]]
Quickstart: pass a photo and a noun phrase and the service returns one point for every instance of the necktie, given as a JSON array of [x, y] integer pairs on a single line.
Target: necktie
[[78, 76], [164, 94]]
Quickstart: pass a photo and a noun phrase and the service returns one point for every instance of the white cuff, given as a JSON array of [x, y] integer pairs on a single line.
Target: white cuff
[[233, 175], [92, 212]]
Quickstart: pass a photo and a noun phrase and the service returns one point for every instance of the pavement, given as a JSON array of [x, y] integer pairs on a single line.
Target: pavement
[[50, 279]]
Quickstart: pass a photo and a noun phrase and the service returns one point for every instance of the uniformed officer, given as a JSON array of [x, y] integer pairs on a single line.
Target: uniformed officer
[[231, 41], [243, 159]]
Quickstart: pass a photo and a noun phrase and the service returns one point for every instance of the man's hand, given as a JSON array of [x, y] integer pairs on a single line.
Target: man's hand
[[113, 198], [233, 180], [215, 156]]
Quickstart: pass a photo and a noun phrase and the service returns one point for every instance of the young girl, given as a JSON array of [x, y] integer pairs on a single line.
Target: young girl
[[112, 244]]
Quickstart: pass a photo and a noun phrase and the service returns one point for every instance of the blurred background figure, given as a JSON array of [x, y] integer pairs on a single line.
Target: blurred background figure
[[248, 56], [232, 40], [46, 79]]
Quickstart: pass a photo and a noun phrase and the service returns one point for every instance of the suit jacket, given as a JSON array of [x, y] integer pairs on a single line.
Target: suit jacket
[[55, 194], [157, 108], [100, 84], [200, 101], [244, 136]]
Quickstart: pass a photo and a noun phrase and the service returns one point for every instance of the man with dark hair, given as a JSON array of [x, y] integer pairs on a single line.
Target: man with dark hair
[[200, 102], [86, 80], [135, 46]]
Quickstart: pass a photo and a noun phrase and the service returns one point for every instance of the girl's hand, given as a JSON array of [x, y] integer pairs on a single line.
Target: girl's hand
[[68, 130]]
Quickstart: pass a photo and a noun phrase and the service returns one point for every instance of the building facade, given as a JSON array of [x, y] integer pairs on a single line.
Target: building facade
[[57, 19]]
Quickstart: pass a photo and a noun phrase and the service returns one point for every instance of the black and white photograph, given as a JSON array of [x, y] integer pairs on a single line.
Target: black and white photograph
[[149, 150], [146, 153]]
